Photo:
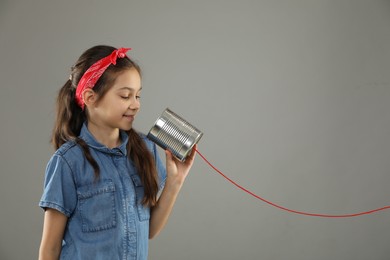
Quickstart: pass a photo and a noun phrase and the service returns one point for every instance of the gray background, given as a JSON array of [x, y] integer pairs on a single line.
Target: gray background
[[293, 98]]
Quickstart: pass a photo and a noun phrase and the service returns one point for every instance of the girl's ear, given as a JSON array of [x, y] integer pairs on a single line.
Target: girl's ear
[[89, 97]]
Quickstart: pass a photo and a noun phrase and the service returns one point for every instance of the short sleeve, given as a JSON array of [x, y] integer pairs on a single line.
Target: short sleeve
[[161, 170], [59, 188]]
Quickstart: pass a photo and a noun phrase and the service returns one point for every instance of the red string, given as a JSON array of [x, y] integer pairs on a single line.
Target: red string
[[291, 210]]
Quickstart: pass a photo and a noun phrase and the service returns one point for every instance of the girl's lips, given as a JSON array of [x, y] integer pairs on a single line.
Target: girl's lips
[[129, 117]]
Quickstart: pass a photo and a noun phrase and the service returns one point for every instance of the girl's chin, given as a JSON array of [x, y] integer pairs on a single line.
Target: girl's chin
[[126, 128]]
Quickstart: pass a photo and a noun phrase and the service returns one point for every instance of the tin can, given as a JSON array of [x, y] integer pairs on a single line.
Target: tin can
[[172, 132]]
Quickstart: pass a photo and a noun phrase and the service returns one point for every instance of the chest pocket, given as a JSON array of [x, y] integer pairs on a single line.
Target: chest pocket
[[143, 212], [97, 206]]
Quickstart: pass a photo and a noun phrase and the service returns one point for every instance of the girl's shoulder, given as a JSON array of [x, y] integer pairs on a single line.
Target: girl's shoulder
[[151, 146], [70, 147], [143, 136]]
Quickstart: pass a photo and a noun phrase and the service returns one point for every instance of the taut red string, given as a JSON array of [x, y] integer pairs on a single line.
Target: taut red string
[[291, 210]]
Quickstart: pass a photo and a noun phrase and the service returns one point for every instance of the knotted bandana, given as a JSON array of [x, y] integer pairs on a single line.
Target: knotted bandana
[[92, 75]]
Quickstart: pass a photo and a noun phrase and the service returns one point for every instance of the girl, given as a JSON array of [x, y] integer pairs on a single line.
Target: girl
[[102, 183]]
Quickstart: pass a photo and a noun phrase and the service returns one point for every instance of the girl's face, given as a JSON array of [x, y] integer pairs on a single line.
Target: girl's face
[[118, 107]]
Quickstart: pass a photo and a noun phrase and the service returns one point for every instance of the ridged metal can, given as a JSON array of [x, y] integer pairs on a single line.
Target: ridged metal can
[[172, 132]]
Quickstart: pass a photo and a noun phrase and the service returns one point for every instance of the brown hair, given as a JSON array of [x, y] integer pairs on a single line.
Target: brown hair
[[70, 118]]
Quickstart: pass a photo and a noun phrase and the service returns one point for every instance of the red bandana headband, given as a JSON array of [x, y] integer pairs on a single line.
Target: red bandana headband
[[92, 75]]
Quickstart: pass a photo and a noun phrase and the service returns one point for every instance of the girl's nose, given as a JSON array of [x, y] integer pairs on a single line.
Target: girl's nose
[[135, 104]]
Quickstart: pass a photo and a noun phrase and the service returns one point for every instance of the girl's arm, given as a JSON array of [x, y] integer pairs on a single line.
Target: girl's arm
[[176, 173], [53, 231]]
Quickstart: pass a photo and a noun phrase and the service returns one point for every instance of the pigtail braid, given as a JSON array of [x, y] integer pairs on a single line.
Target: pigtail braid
[[69, 121], [145, 164]]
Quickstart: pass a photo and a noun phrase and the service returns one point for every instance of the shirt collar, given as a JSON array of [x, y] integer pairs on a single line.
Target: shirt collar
[[93, 143]]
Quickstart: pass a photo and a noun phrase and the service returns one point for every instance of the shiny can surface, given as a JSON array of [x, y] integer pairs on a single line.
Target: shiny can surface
[[172, 132]]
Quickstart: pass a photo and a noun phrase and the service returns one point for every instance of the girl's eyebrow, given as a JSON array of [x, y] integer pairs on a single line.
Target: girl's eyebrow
[[128, 88]]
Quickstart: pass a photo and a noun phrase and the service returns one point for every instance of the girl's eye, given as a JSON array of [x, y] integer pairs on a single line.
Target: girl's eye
[[128, 97]]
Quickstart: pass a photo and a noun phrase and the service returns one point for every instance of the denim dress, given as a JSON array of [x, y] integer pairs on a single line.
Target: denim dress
[[106, 218]]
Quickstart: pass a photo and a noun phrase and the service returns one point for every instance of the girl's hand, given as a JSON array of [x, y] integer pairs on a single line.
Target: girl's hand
[[177, 171]]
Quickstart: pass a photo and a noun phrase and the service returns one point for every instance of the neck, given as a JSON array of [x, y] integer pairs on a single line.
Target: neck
[[109, 137]]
